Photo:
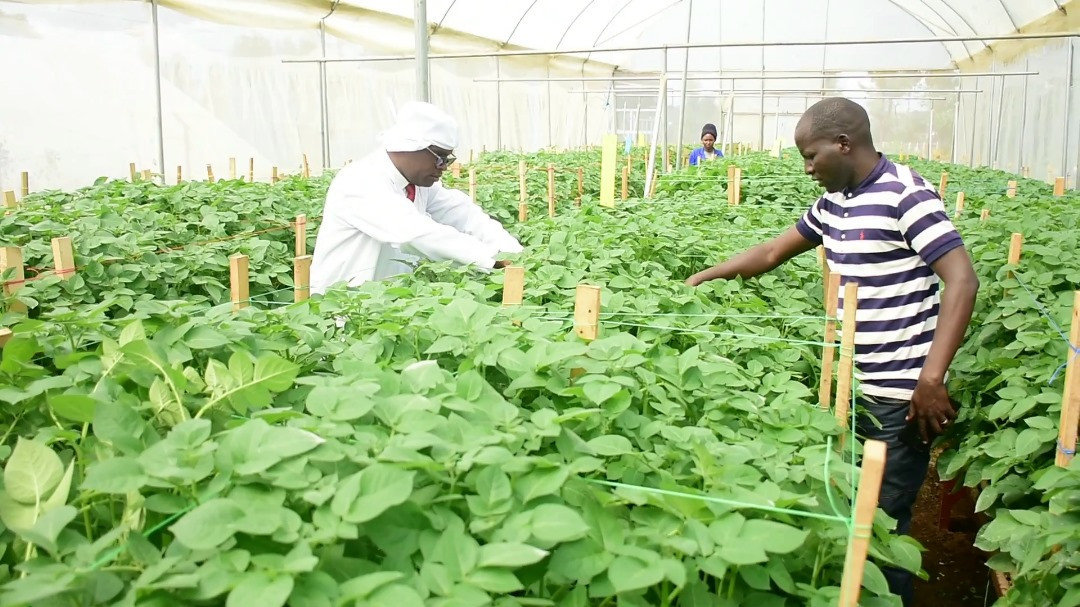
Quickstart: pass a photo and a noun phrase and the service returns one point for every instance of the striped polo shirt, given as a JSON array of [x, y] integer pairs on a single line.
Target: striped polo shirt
[[884, 235]]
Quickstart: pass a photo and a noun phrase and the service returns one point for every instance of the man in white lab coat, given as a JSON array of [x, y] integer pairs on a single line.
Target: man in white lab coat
[[389, 210]]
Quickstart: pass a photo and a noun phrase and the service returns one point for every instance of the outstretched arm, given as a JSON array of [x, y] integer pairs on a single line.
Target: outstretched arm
[[757, 260]]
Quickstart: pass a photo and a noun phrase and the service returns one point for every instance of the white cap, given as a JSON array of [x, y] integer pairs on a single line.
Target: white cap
[[420, 125]]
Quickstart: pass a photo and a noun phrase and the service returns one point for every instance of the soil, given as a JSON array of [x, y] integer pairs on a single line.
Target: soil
[[957, 570]]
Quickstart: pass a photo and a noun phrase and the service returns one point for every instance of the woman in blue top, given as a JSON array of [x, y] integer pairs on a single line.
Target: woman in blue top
[[708, 150]]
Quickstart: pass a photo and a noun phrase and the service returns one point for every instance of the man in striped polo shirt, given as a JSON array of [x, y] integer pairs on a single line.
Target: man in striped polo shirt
[[884, 227]]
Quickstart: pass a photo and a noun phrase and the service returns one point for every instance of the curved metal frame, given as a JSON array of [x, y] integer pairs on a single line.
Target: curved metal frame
[[524, 14]]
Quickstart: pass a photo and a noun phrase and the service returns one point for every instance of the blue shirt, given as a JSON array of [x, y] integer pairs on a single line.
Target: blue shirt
[[884, 235], [698, 155]]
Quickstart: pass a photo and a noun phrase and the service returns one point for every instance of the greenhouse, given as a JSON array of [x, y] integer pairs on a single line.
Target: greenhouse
[[567, 303]]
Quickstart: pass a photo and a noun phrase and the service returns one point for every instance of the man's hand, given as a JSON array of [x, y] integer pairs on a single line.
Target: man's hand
[[695, 280], [931, 408]]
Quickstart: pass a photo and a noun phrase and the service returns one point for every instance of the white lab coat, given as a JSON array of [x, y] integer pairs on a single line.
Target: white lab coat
[[370, 230]]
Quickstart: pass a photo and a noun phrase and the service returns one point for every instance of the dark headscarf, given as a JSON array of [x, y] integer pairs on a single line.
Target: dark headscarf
[[709, 129]]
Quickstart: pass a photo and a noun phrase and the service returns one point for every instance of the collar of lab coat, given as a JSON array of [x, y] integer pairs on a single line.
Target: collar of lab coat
[[396, 178]]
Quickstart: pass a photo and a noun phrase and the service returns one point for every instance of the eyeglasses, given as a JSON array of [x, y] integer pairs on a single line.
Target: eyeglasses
[[441, 162]]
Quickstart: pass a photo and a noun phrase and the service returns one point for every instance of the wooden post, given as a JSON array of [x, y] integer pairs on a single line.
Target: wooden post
[[10, 204], [1059, 186], [5, 336], [232, 168], [210, 173], [301, 278], [513, 285], [959, 203], [1011, 192], [470, 157], [607, 172], [63, 257], [847, 356], [179, 174], [301, 235], [147, 175], [551, 189], [943, 183], [832, 295], [984, 215], [1070, 398], [625, 183], [523, 208], [455, 170], [134, 172], [731, 185], [580, 184], [11, 258], [587, 312], [472, 184], [734, 185], [251, 170], [25, 184], [274, 175], [307, 168], [238, 281], [1026, 172], [866, 501], [1015, 244]]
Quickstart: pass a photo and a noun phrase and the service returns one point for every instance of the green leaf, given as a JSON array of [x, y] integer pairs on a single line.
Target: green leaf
[[600, 391], [740, 553], [395, 595], [258, 588], [611, 445], [555, 523], [341, 403], [209, 524], [117, 475], [32, 472], [508, 554], [874, 580], [540, 482], [499, 581], [202, 337], [74, 407], [1028, 442], [628, 573], [773, 536], [365, 495]]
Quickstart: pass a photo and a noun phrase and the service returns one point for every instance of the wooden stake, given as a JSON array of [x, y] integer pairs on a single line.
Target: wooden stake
[[551, 189], [307, 168], [210, 173], [472, 184], [10, 203], [523, 209], [1011, 192], [11, 258], [959, 203], [1015, 244], [1070, 398], [731, 185], [179, 174], [25, 184], [1026, 172], [274, 175], [251, 170], [456, 171], [301, 278], [607, 172], [63, 257], [735, 186], [832, 293], [847, 356], [470, 157], [238, 281], [147, 175], [5, 336], [580, 184], [1059, 186], [587, 312], [866, 500], [984, 215], [134, 172], [513, 285], [232, 168], [301, 235], [944, 182], [625, 183]]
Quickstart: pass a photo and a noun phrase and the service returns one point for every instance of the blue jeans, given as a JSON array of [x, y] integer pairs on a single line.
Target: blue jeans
[[905, 470]]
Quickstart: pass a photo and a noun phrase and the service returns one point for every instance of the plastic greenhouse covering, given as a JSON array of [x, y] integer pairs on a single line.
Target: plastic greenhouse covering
[[239, 78]]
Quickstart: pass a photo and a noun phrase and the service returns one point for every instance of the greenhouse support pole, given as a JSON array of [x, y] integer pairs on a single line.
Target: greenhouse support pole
[[423, 83], [930, 135], [1068, 107], [498, 105], [1023, 129], [974, 123], [997, 122], [955, 128], [650, 169], [1076, 177], [324, 130], [682, 107], [157, 89], [664, 101]]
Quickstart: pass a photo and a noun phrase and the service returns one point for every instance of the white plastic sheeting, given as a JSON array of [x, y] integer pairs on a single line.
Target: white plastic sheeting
[[80, 100]]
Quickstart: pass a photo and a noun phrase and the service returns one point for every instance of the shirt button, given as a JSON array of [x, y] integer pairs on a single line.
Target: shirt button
[[845, 214], [843, 236]]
